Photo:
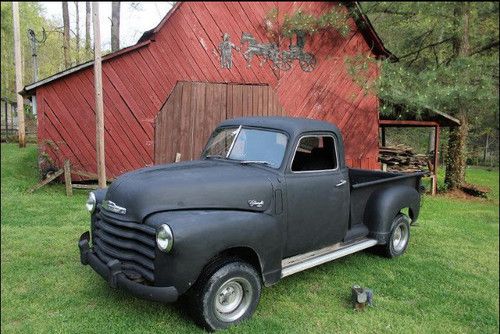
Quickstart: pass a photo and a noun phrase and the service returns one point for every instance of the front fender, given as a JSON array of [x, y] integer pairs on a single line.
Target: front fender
[[201, 235], [383, 206]]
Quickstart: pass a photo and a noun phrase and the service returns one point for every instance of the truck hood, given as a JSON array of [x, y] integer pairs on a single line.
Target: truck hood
[[199, 184]]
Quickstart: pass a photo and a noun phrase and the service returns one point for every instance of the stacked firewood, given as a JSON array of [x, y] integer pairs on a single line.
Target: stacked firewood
[[402, 158]]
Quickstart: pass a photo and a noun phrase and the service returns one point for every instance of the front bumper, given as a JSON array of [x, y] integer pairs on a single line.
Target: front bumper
[[113, 274]]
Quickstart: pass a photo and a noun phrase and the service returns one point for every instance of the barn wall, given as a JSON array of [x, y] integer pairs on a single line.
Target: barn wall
[[194, 109], [137, 83]]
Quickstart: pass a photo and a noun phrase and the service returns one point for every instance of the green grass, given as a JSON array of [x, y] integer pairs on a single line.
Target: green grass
[[447, 282]]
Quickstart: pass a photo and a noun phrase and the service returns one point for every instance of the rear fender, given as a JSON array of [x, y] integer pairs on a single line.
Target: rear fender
[[383, 206], [202, 235]]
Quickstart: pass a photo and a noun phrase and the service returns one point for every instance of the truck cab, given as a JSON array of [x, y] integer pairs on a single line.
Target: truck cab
[[269, 197]]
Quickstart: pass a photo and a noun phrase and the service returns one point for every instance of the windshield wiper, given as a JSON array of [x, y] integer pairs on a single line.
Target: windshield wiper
[[262, 162], [214, 156]]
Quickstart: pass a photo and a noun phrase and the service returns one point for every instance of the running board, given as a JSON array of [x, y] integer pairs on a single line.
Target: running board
[[305, 261]]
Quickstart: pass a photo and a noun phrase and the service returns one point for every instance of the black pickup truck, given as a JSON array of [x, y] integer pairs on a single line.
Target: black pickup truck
[[269, 197]]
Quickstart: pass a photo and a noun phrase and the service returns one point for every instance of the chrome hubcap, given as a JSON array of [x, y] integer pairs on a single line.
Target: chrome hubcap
[[232, 299], [400, 237]]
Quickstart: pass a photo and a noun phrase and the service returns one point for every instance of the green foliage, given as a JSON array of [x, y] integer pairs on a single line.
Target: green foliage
[[438, 286], [50, 55], [430, 73], [336, 18]]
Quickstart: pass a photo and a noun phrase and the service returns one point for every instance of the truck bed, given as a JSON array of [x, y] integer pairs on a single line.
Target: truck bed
[[363, 184]]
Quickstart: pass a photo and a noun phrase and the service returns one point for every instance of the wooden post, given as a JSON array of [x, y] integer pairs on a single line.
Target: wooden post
[[99, 106], [7, 110], [436, 160], [67, 178], [11, 110], [19, 74], [383, 136]]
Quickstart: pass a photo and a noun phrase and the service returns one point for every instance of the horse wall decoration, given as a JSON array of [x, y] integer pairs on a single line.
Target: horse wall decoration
[[281, 59]]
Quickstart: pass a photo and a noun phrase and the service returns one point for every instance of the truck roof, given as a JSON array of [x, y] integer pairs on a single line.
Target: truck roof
[[294, 126]]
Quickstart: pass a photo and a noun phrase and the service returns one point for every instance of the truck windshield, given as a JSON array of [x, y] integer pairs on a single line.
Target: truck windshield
[[247, 146]]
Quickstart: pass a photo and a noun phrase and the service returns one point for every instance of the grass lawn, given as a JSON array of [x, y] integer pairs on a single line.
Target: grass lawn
[[447, 282]]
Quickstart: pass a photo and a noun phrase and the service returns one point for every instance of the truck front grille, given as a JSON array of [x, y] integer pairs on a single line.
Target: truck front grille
[[131, 243]]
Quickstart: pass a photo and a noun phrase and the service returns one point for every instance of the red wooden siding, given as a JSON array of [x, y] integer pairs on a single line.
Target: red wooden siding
[[137, 84]]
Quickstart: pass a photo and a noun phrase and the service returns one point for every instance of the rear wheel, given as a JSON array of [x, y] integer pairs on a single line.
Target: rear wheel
[[398, 237], [228, 292]]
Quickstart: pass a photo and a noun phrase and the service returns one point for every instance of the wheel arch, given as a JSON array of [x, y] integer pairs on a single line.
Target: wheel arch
[[201, 237], [385, 204]]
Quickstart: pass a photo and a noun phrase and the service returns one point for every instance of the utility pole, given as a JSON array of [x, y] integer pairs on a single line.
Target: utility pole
[[34, 50], [99, 106], [19, 74], [34, 56]]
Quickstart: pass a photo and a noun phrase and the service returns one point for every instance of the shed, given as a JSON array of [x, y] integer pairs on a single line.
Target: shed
[[166, 94], [429, 118]]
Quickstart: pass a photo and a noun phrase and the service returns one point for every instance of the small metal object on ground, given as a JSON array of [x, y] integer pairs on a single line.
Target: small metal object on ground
[[361, 297]]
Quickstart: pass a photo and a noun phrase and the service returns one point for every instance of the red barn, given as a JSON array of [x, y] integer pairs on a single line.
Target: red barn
[[165, 94]]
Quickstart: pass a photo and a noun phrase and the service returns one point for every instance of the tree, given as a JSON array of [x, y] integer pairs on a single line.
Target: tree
[[50, 57], [87, 28], [77, 19], [456, 160], [66, 36], [448, 60], [115, 26]]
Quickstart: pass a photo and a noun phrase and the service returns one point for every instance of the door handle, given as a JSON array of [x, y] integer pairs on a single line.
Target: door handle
[[341, 183]]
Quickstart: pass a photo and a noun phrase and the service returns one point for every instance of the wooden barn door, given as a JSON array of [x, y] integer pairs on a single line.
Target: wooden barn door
[[194, 109]]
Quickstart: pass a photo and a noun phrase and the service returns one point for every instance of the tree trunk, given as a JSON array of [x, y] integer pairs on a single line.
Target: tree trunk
[[456, 160], [485, 153], [115, 26], [77, 32], [87, 27], [67, 59]]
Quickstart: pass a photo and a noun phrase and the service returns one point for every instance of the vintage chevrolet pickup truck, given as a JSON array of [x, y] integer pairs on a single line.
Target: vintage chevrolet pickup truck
[[269, 197]]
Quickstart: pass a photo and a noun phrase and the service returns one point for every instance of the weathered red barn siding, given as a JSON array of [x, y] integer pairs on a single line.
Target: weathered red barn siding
[[137, 83]]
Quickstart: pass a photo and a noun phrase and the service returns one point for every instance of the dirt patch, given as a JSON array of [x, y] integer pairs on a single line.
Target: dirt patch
[[475, 190], [458, 193]]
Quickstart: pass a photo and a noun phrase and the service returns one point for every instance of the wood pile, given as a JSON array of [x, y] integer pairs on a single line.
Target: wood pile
[[402, 158]]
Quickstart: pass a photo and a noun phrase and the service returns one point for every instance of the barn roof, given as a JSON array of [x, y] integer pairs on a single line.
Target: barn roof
[[362, 22]]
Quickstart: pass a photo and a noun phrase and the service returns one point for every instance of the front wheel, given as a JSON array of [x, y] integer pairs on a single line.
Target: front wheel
[[227, 294], [398, 237]]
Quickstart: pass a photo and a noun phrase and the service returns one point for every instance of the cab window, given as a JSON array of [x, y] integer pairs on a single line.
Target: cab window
[[315, 153]]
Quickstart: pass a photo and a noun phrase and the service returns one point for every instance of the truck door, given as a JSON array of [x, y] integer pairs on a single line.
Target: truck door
[[317, 195]]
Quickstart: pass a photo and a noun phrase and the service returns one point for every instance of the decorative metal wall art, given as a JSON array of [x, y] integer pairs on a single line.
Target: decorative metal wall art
[[306, 60], [226, 51], [267, 51], [281, 59]]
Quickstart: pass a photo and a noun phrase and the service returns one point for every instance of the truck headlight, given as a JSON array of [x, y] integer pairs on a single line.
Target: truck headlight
[[91, 202], [164, 238]]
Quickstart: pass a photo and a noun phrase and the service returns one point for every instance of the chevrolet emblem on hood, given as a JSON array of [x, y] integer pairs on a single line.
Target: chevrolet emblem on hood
[[255, 203], [111, 206]]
